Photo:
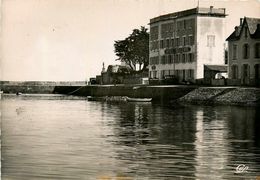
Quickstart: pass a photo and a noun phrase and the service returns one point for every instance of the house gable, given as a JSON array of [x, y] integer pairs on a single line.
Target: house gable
[[251, 25]]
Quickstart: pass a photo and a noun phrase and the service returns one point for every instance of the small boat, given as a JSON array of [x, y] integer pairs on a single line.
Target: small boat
[[93, 98], [138, 99]]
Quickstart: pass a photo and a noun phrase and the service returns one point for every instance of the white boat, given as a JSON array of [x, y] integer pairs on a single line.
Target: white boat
[[138, 99]]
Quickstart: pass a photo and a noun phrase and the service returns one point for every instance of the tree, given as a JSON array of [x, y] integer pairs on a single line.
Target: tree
[[134, 50]]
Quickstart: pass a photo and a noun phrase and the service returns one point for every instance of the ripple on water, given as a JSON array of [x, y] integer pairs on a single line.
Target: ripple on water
[[61, 138]]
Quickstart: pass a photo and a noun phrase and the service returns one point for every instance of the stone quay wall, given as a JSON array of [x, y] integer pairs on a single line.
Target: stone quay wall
[[158, 93], [225, 95], [174, 94]]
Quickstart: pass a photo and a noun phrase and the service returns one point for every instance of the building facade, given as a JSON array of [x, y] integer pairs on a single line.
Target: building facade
[[244, 52], [181, 43]]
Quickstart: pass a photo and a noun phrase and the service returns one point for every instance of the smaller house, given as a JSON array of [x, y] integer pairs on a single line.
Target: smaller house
[[244, 53], [114, 74]]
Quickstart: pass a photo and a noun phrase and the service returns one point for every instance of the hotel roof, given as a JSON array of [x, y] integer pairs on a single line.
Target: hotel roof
[[195, 11]]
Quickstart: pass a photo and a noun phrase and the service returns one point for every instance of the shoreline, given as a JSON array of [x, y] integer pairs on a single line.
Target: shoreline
[[187, 94]]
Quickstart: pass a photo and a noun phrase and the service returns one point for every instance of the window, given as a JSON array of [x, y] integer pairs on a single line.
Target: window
[[191, 40], [154, 74], [169, 59], [178, 25], [154, 60], [183, 58], [178, 73], [190, 73], [161, 44], [176, 58], [184, 24], [172, 42], [167, 72], [183, 74], [154, 33], [190, 59], [168, 43], [154, 45], [234, 72], [245, 70], [151, 61], [211, 41], [234, 51], [162, 59], [257, 50], [257, 71], [246, 51], [177, 42], [162, 73], [187, 23], [184, 41]]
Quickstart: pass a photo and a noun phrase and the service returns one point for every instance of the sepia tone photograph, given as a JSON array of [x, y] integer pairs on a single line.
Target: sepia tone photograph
[[130, 89]]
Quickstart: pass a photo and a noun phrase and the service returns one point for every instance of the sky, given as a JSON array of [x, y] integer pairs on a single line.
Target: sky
[[68, 40]]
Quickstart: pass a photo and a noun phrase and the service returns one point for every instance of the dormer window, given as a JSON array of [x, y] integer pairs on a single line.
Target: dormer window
[[234, 51]]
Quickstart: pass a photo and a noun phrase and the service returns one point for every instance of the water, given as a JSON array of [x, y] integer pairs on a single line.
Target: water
[[56, 137]]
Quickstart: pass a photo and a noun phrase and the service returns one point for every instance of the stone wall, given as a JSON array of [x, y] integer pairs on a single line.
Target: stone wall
[[229, 96], [180, 93], [158, 93]]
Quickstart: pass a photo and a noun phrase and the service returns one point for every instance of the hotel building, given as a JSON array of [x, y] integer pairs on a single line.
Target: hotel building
[[181, 43]]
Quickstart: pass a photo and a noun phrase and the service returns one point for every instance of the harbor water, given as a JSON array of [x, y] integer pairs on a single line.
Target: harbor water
[[63, 137]]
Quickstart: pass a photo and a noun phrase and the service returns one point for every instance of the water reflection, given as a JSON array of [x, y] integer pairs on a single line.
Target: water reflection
[[244, 139], [77, 139], [257, 128], [211, 145]]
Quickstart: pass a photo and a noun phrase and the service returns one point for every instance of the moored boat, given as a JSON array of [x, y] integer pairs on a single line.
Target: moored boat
[[138, 99], [93, 98]]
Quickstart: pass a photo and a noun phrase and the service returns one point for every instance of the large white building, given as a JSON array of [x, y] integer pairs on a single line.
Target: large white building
[[244, 52], [181, 43]]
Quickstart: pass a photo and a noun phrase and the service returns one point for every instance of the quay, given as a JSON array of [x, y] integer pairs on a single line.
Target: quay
[[229, 95], [157, 93], [247, 96]]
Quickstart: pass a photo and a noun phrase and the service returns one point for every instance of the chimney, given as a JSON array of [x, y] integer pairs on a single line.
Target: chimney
[[258, 26], [211, 9], [236, 31], [241, 21]]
